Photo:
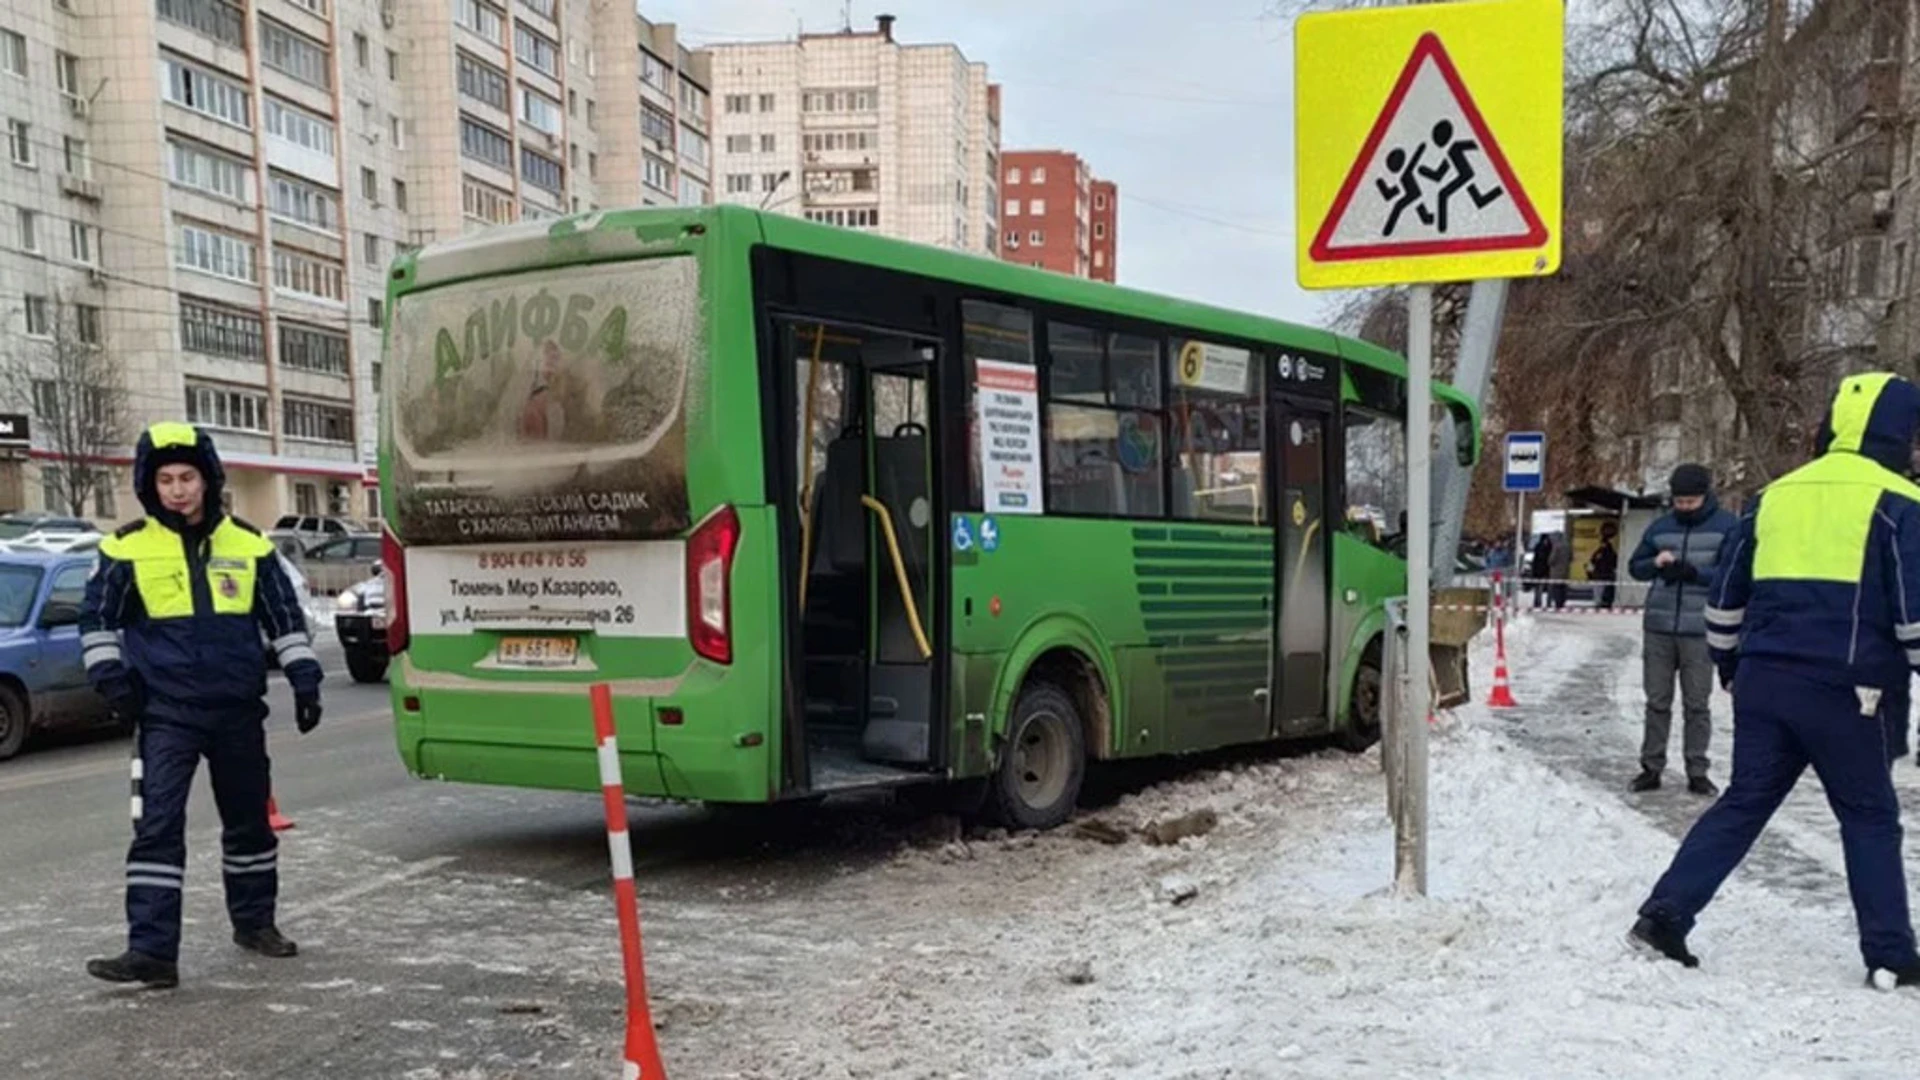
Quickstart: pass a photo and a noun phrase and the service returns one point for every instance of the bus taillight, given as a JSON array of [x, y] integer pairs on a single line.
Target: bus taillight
[[393, 563], [709, 568]]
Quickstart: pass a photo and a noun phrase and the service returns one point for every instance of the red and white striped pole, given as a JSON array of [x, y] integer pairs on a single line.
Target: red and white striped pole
[[642, 1058], [1502, 696], [275, 819]]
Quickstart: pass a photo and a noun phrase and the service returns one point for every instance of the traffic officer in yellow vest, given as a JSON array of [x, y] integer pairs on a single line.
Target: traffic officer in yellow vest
[[1813, 618], [172, 637]]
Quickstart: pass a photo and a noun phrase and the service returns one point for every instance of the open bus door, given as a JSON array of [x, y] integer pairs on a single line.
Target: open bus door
[[862, 697]]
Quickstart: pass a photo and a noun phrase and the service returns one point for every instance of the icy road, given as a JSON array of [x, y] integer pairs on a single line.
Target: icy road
[[455, 932]]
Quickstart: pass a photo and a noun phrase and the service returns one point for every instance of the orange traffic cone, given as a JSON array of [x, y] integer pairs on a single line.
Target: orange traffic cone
[[1502, 696], [279, 822]]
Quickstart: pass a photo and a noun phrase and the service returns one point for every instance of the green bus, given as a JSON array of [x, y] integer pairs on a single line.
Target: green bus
[[829, 511]]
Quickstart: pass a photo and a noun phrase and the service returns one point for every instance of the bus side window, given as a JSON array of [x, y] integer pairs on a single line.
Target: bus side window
[[1376, 476], [1217, 418], [989, 332], [1104, 425]]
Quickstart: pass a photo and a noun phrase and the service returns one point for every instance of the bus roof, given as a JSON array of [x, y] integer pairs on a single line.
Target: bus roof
[[641, 230]]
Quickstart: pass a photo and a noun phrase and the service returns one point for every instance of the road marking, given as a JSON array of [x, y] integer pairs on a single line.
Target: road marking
[[118, 764], [355, 892]]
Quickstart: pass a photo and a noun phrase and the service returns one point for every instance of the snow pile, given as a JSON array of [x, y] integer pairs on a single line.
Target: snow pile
[[1271, 946]]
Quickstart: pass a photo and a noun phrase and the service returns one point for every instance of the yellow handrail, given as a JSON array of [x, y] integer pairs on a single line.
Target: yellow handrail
[[806, 466], [899, 572]]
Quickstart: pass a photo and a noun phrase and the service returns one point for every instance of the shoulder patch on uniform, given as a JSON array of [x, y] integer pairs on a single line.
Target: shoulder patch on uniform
[[130, 528]]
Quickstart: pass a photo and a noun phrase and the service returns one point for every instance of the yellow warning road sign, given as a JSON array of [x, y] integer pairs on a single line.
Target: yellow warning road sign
[[1428, 142]]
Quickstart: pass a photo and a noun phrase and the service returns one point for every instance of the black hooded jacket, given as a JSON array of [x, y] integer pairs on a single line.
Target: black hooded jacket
[[174, 616]]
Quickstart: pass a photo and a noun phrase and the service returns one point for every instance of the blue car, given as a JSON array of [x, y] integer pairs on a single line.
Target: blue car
[[42, 681]]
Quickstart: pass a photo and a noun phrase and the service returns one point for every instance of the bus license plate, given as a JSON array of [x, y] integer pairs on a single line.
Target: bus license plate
[[538, 652]]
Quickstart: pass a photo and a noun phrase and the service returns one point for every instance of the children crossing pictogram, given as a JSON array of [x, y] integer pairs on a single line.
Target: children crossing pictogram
[[1430, 178]]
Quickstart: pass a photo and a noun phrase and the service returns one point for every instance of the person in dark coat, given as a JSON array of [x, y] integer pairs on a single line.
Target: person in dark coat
[[1540, 568], [1603, 566], [1812, 617], [172, 629], [1679, 553], [1559, 569]]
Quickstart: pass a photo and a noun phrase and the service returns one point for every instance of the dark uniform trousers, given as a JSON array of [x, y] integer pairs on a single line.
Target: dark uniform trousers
[[1784, 720], [235, 746]]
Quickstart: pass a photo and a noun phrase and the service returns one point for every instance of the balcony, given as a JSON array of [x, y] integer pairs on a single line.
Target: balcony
[[216, 19], [81, 188]]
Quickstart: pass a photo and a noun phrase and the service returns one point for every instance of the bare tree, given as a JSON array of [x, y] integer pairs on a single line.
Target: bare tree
[[73, 388]]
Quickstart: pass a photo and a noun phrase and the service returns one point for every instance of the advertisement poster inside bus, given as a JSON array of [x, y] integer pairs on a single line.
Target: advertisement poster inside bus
[[545, 406]]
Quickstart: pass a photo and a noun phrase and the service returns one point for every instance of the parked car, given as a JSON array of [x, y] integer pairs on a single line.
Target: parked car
[[334, 566], [316, 527], [43, 683], [45, 532], [360, 622]]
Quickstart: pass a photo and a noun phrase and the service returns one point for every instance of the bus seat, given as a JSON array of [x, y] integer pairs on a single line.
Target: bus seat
[[900, 477], [839, 542], [899, 480]]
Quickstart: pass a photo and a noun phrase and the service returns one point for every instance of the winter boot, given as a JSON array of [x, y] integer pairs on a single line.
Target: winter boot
[[1648, 934], [133, 967], [1890, 978], [1648, 780], [1700, 785], [267, 942]]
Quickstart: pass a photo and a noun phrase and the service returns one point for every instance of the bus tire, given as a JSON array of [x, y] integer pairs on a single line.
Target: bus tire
[[1042, 762], [1363, 705]]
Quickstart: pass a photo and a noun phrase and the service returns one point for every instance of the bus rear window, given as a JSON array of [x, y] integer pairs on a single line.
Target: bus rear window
[[543, 406]]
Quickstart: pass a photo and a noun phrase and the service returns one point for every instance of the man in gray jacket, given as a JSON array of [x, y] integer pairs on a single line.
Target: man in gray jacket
[[1679, 553]]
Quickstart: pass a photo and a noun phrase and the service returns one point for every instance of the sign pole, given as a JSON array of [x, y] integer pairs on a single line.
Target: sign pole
[[1410, 823], [1519, 538]]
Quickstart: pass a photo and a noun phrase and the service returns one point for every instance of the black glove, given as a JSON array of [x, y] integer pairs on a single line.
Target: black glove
[[306, 712], [125, 695], [1726, 679], [1693, 576], [1674, 571]]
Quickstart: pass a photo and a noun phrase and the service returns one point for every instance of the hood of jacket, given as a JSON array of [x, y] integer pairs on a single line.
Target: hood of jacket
[[177, 444], [1874, 415]]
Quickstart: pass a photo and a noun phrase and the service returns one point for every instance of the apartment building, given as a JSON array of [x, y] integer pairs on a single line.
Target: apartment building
[[210, 193], [1057, 215], [552, 107], [861, 131]]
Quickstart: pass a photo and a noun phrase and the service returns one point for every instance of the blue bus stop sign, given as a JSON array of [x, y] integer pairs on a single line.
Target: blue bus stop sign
[[1526, 461]]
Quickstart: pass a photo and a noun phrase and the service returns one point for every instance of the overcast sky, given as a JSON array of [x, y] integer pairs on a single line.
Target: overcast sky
[[1187, 107]]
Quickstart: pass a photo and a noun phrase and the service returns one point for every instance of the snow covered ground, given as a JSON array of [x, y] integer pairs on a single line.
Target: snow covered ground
[[1058, 956], [850, 943]]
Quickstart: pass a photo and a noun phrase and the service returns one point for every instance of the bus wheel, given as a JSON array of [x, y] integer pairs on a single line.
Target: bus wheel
[[1043, 762], [1363, 708]]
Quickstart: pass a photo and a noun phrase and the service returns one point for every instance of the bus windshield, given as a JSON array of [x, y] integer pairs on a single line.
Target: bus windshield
[[544, 406]]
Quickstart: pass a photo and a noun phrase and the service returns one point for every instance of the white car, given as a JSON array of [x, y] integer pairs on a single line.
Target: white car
[[42, 532]]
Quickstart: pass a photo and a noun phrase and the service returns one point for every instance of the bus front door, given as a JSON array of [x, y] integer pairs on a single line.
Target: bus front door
[[1302, 569]]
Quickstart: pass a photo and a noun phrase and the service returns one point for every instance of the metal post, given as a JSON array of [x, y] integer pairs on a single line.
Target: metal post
[[1517, 579], [1410, 826], [1472, 374]]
